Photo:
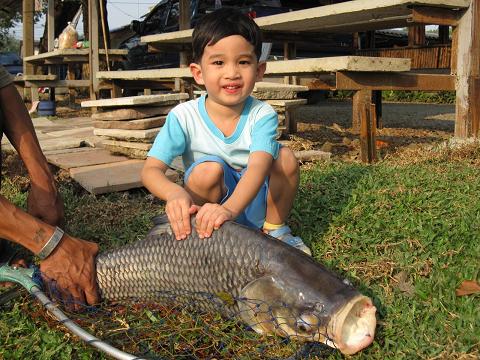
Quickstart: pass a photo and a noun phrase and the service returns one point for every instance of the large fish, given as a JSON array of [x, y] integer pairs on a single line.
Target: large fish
[[273, 287]]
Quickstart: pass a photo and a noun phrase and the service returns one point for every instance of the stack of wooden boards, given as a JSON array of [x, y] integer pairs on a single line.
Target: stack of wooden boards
[[129, 125]]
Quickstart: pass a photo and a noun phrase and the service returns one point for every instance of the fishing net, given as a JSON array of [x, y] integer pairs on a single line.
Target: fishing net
[[174, 327]]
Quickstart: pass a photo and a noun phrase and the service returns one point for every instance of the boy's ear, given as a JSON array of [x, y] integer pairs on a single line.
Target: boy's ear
[[262, 66], [196, 71]]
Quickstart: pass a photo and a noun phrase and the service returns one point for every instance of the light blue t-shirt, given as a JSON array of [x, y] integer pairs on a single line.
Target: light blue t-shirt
[[189, 131]]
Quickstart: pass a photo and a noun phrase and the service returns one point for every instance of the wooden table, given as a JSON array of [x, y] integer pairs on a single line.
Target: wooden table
[[67, 57]]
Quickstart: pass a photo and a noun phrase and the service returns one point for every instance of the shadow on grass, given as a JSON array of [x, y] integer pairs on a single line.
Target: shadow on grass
[[325, 190]]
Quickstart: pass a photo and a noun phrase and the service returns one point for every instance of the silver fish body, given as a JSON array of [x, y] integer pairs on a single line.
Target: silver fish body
[[273, 287]]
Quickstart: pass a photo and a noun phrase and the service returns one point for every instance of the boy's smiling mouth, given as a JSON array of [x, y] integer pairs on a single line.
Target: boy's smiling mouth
[[232, 88]]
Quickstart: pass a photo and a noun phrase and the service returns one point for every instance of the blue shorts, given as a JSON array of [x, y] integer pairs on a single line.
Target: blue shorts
[[254, 214]]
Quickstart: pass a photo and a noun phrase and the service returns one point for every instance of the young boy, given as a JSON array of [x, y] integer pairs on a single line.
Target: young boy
[[236, 170]]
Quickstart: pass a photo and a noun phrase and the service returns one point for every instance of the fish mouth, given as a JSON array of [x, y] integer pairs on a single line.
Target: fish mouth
[[352, 328]]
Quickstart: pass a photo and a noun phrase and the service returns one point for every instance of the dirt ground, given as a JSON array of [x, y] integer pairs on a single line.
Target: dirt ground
[[326, 126]]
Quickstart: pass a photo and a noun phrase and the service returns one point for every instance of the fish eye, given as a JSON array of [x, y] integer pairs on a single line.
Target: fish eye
[[307, 323]]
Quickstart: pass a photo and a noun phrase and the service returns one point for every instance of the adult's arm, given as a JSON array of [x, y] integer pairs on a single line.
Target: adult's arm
[[71, 265], [44, 201]]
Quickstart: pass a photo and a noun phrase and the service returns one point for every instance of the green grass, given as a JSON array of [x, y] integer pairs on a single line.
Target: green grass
[[405, 231]]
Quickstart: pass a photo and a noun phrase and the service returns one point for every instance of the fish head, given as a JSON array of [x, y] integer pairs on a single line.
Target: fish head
[[285, 307]]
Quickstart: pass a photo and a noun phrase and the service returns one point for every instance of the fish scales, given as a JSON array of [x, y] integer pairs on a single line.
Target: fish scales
[[159, 265]]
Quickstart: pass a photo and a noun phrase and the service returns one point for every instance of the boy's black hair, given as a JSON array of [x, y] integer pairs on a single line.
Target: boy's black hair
[[222, 23]]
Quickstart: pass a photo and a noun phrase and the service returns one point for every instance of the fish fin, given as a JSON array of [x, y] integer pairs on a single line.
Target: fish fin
[[255, 304]]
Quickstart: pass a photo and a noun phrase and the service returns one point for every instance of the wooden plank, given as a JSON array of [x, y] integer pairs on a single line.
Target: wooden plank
[[349, 17], [467, 108], [284, 67], [72, 55], [145, 74], [393, 81], [135, 100], [337, 63], [176, 37], [437, 16], [58, 83], [48, 77]]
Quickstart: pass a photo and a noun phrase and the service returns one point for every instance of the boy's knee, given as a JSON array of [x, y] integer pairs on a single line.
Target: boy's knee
[[286, 162], [206, 175]]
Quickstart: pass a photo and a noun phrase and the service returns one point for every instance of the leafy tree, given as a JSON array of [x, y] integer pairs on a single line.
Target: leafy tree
[[7, 20]]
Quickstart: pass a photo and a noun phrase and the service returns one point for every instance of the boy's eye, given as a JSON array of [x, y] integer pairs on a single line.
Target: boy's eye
[[245, 62], [218, 62]]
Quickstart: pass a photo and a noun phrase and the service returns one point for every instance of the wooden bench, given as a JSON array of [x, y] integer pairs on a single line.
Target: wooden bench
[[346, 17]]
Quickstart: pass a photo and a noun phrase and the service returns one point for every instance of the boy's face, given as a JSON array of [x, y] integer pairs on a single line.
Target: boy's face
[[228, 69]]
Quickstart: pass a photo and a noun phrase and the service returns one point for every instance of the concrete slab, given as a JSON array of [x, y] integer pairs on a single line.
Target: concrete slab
[[68, 160], [147, 135], [270, 90], [49, 143], [132, 113], [140, 124], [68, 151], [56, 143], [119, 176], [73, 133], [42, 121], [135, 100], [100, 179], [133, 150]]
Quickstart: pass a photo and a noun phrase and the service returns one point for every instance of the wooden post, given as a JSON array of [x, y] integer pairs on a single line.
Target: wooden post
[[368, 151], [51, 25], [94, 61], [467, 109], [416, 35], [183, 24], [370, 39], [289, 53], [360, 99], [443, 34], [377, 100], [27, 47]]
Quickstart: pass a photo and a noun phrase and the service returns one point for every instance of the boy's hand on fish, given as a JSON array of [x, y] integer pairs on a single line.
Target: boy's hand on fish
[[179, 208], [210, 217]]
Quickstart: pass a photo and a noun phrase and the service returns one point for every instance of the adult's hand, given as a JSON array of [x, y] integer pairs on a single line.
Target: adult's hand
[[46, 204], [70, 270]]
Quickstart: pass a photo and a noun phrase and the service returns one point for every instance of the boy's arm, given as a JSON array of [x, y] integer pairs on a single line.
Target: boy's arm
[[179, 204], [209, 218]]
